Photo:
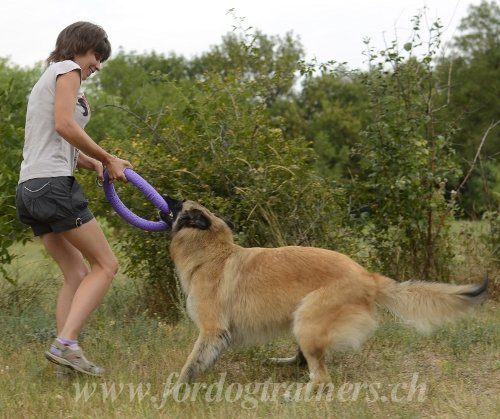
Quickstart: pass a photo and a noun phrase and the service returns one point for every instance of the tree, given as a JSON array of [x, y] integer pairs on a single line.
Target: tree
[[471, 91], [269, 61], [334, 109], [130, 93]]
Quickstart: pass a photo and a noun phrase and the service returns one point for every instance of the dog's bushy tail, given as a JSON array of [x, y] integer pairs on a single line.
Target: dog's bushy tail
[[427, 305]]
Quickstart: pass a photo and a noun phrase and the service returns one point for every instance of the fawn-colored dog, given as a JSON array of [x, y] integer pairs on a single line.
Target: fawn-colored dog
[[238, 295]]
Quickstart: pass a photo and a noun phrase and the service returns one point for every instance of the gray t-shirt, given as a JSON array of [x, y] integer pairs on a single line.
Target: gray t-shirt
[[46, 153]]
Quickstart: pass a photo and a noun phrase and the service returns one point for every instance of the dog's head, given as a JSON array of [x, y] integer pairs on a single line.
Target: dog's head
[[190, 214]]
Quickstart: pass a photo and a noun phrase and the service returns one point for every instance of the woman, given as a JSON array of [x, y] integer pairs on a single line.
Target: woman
[[50, 200]]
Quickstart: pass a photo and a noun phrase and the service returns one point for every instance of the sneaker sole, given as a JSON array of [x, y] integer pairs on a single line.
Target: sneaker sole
[[63, 362]]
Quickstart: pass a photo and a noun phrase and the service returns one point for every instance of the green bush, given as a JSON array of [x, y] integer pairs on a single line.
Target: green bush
[[408, 167], [14, 88]]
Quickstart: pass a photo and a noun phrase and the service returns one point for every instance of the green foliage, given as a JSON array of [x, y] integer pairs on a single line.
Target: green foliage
[[406, 163], [471, 91], [14, 88], [270, 62], [334, 109], [132, 83], [492, 240]]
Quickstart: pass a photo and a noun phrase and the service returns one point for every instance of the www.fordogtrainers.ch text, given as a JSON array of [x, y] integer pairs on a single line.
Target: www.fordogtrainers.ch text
[[251, 394]]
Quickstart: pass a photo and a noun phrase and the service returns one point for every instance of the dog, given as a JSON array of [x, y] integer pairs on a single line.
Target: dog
[[240, 296]]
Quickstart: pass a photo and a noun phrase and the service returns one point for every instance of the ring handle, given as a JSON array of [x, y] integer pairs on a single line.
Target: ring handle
[[147, 190]]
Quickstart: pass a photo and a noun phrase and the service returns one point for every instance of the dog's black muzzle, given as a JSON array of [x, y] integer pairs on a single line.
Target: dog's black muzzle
[[175, 208]]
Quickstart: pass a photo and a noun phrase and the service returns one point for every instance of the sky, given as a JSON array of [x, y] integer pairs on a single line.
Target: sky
[[328, 29]]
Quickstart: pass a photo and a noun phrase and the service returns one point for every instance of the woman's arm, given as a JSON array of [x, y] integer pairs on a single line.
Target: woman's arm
[[86, 162], [67, 86]]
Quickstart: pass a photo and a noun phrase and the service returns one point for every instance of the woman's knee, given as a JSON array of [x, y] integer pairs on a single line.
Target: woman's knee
[[114, 265], [74, 276], [110, 266]]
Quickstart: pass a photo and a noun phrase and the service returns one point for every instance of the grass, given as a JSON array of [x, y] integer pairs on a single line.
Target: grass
[[399, 374]]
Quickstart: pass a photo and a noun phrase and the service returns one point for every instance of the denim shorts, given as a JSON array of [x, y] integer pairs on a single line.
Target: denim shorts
[[52, 204]]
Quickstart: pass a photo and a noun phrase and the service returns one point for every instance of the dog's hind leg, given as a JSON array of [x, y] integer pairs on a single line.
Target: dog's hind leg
[[206, 351], [298, 359], [324, 321]]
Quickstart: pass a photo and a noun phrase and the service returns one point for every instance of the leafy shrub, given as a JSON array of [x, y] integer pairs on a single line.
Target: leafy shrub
[[407, 164], [14, 89]]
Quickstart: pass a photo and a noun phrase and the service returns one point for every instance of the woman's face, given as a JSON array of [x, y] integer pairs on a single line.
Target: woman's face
[[89, 62]]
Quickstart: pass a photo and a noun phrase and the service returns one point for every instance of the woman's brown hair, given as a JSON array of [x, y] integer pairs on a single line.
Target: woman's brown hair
[[79, 38]]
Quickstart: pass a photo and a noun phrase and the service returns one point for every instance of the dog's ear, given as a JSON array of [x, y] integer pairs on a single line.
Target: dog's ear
[[194, 218]]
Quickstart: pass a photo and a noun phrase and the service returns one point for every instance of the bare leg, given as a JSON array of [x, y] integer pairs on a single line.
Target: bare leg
[[70, 261], [90, 241]]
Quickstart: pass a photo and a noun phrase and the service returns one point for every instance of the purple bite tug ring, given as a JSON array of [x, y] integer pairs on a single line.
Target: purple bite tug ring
[[148, 191]]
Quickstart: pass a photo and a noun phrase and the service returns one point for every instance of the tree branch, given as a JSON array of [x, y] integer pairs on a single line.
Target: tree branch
[[478, 152]]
